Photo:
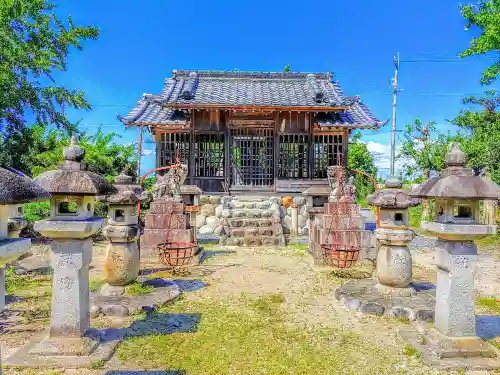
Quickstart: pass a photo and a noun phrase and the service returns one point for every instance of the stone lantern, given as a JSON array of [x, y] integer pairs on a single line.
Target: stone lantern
[[394, 264], [15, 189], [457, 193], [16, 221], [70, 225], [121, 264]]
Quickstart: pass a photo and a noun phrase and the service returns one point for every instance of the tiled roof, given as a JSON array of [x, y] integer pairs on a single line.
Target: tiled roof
[[208, 88]]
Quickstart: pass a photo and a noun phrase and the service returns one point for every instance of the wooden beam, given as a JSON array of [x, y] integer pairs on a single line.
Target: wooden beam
[[271, 108]]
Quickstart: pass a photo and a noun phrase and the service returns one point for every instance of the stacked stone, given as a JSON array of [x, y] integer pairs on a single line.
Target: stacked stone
[[166, 221], [251, 221], [210, 221]]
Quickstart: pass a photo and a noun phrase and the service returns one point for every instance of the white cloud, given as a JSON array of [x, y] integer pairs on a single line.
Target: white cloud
[[382, 156]]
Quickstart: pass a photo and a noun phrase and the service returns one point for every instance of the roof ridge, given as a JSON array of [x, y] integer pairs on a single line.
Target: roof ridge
[[250, 74]]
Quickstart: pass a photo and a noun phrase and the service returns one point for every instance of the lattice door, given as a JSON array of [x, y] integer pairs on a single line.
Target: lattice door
[[252, 157]]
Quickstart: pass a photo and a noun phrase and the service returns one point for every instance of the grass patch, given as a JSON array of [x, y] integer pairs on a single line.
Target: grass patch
[[489, 241], [489, 303], [36, 291], [298, 246], [138, 289], [232, 340], [410, 351], [96, 283], [95, 365], [27, 286]]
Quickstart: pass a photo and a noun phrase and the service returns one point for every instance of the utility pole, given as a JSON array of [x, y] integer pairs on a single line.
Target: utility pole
[[139, 149], [395, 92]]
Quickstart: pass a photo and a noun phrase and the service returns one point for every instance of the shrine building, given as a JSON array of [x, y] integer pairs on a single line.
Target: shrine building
[[247, 132]]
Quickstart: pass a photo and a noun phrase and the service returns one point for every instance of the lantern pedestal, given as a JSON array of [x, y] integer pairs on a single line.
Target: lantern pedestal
[[71, 259]]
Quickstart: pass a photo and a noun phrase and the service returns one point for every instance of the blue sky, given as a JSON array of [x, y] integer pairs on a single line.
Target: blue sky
[[141, 42]]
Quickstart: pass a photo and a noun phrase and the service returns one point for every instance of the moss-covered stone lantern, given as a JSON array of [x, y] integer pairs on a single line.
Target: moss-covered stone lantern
[[71, 224], [457, 193], [121, 264], [15, 189], [394, 264]]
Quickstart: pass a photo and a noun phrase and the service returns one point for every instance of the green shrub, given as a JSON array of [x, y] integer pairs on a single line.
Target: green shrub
[[36, 211]]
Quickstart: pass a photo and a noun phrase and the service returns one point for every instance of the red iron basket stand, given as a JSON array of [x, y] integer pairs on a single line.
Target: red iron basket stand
[[340, 258], [176, 254]]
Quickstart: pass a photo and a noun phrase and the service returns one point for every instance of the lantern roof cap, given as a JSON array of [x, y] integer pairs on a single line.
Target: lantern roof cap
[[16, 188], [127, 191], [392, 196], [72, 177], [456, 181]]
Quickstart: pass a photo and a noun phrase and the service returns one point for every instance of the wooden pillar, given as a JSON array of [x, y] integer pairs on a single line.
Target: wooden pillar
[[345, 147], [276, 146], [310, 146], [191, 163], [227, 150], [159, 149]]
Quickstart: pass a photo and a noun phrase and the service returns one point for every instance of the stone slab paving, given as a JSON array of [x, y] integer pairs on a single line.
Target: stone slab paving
[[364, 296], [165, 290]]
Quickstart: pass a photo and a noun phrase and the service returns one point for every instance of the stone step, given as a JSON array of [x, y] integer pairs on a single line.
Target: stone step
[[253, 241], [250, 213], [275, 230], [246, 198], [251, 222], [251, 205]]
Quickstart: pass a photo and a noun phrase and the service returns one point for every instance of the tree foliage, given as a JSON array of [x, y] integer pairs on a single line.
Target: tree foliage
[[38, 149], [480, 136], [361, 159], [486, 17], [422, 150], [35, 43]]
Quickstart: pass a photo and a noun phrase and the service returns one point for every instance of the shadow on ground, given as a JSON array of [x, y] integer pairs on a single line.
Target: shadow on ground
[[155, 372], [210, 254], [488, 326], [154, 324], [421, 286]]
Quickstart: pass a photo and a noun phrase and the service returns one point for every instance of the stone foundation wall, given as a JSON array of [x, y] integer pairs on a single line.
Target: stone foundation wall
[[213, 211]]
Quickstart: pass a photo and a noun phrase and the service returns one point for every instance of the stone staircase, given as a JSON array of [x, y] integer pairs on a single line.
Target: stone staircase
[[252, 221]]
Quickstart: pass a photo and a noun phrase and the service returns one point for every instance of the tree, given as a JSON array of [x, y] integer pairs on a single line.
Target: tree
[[35, 43], [361, 159], [287, 68], [481, 140], [102, 154], [421, 152], [486, 17]]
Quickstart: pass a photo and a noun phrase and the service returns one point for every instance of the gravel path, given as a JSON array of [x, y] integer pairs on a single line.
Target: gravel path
[[487, 279]]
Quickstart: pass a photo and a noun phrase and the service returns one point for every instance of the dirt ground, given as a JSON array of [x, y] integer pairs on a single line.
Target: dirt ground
[[229, 273]]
